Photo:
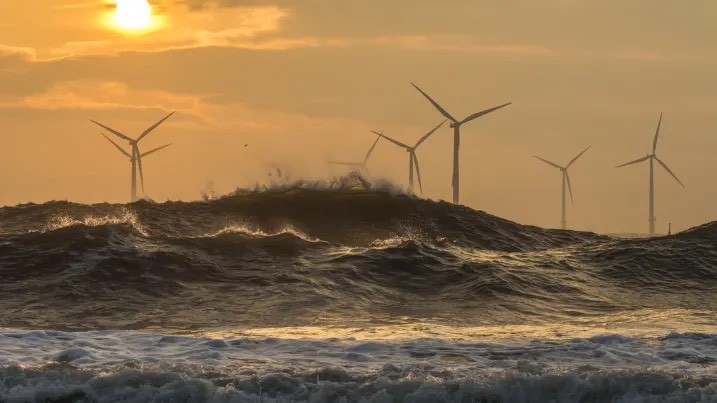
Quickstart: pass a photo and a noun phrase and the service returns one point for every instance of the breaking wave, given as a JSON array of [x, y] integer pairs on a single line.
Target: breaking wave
[[299, 254], [141, 367]]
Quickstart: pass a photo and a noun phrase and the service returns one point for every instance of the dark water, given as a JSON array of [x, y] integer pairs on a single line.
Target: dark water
[[300, 256], [310, 295]]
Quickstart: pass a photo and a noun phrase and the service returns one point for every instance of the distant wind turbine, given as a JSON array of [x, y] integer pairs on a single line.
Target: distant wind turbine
[[566, 181], [412, 157], [653, 157], [135, 156], [456, 125], [362, 165]]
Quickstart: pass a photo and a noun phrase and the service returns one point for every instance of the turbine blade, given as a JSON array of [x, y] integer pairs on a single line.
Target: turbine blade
[[370, 150], [350, 164], [576, 158], [117, 145], [418, 170], [155, 150], [396, 142], [115, 132], [154, 126], [548, 162], [141, 173], [439, 107], [670, 171], [485, 112], [570, 187], [657, 134], [634, 162], [424, 138]]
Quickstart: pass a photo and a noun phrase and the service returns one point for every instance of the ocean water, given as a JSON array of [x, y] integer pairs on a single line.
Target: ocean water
[[343, 294]]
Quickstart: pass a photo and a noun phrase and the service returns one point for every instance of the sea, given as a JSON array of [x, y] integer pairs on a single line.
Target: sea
[[344, 292]]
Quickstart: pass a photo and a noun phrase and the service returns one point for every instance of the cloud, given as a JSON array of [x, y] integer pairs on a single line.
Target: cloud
[[24, 53], [240, 28], [418, 24], [113, 96], [204, 4], [106, 95]]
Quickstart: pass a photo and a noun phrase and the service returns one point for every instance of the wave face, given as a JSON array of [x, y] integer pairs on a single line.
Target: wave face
[[298, 256]]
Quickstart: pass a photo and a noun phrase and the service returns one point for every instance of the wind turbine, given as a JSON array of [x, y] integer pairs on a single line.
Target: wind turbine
[[362, 168], [566, 181], [136, 156], [653, 157], [456, 125], [412, 157]]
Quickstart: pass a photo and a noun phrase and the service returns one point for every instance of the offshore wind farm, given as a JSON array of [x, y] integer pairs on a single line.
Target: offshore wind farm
[[282, 251]]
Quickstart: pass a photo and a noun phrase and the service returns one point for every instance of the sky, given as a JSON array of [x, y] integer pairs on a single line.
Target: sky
[[262, 83]]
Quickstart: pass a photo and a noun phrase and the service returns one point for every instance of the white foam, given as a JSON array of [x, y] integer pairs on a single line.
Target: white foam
[[136, 366], [124, 216], [257, 233]]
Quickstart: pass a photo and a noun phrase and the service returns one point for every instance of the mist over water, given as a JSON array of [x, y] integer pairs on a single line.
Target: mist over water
[[318, 292]]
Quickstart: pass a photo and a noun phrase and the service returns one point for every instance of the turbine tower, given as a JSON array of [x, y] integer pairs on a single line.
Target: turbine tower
[[653, 157], [412, 157], [136, 156], [456, 125], [361, 166], [566, 181]]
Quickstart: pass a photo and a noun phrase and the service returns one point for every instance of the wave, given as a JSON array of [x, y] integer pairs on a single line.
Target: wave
[[146, 386], [300, 253], [348, 217], [130, 366]]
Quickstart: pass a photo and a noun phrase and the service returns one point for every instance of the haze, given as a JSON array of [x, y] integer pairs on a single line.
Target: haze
[[303, 82]]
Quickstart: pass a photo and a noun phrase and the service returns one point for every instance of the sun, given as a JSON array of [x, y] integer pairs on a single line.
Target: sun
[[133, 15]]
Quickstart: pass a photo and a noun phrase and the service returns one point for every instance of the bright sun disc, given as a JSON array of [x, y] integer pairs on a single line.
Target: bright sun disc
[[133, 15]]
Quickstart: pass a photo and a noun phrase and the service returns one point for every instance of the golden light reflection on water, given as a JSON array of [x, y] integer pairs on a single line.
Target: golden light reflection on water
[[646, 323]]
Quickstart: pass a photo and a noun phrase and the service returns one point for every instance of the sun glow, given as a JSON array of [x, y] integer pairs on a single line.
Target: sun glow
[[133, 15]]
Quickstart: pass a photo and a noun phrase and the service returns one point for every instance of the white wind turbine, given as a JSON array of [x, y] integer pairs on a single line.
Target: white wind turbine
[[361, 166], [412, 157], [653, 157], [456, 125], [566, 181], [135, 156]]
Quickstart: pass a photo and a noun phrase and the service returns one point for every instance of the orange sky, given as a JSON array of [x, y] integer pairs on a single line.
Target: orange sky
[[302, 82]]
